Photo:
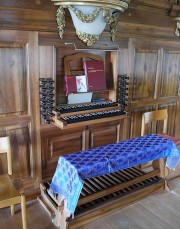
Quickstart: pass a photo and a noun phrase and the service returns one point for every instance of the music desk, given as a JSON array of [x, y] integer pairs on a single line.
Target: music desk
[[92, 183]]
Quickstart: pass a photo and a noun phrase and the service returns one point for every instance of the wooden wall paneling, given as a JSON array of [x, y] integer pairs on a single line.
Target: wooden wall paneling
[[158, 83], [177, 121], [28, 16], [108, 70], [13, 87], [139, 29], [20, 117], [151, 44], [124, 129], [144, 75], [123, 61], [45, 5], [144, 78], [34, 125], [113, 90], [47, 62], [169, 85], [160, 5]]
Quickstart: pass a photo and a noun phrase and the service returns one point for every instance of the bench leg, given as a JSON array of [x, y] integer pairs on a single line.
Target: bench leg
[[160, 164]]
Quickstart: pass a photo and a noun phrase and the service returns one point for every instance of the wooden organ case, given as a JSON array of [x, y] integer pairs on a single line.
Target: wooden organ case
[[100, 195], [85, 134]]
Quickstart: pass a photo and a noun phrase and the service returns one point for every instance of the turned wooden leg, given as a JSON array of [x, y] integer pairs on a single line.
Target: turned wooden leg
[[23, 211], [12, 209]]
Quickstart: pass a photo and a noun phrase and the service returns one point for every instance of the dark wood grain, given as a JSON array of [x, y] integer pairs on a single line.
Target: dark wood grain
[[20, 113]]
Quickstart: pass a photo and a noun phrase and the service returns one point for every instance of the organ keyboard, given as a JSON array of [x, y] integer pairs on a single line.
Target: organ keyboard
[[91, 116], [86, 106], [86, 114]]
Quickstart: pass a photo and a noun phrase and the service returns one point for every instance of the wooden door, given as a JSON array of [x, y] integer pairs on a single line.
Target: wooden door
[[19, 105]]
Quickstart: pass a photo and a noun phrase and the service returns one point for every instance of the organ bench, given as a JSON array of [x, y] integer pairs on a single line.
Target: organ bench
[[113, 182]]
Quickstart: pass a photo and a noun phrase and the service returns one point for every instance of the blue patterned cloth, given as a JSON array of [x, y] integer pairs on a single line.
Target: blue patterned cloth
[[72, 168]]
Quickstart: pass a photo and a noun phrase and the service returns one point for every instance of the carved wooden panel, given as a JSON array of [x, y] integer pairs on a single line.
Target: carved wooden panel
[[13, 86], [103, 135], [47, 62], [144, 75], [58, 145], [55, 143], [169, 85]]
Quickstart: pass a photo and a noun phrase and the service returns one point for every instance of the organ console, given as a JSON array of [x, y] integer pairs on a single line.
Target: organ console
[[86, 113], [95, 112]]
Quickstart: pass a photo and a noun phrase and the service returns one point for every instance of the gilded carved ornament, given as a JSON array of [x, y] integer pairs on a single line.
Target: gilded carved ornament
[[110, 11]]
